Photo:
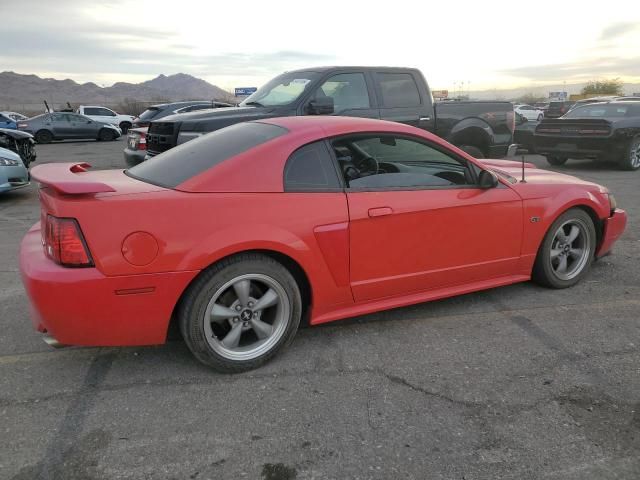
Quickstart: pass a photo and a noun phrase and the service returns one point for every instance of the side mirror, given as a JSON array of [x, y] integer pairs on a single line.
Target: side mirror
[[320, 106], [487, 180]]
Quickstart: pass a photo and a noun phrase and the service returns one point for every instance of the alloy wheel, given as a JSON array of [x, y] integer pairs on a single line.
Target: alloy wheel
[[570, 249], [246, 317]]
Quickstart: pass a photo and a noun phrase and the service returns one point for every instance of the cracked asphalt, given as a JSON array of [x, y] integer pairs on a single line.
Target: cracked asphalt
[[518, 383]]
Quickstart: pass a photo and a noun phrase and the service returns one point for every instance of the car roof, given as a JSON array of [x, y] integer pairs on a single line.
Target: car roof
[[327, 68]]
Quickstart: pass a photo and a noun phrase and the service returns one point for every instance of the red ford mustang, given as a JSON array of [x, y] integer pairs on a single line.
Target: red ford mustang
[[239, 234]]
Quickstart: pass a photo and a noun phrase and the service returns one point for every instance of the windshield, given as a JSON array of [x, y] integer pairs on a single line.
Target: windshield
[[598, 110], [149, 113], [282, 90]]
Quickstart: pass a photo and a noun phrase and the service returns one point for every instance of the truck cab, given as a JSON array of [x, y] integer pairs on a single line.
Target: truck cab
[[106, 115]]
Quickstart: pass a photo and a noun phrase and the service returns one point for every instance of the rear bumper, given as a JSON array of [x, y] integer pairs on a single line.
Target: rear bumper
[[81, 306], [613, 228], [575, 147], [134, 157]]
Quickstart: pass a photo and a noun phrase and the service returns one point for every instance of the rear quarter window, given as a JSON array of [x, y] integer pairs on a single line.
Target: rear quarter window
[[398, 90], [175, 166]]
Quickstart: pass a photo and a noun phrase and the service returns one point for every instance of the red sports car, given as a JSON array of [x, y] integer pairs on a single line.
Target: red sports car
[[240, 234]]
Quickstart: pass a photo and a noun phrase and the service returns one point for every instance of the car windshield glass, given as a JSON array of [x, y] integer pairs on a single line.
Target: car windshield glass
[[598, 110], [173, 167], [282, 90], [149, 113]]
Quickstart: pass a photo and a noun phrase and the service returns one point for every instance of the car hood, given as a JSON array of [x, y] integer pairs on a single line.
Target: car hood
[[214, 118], [17, 134], [9, 154]]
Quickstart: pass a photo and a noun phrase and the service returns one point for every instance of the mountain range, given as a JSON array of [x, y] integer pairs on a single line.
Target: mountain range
[[29, 91]]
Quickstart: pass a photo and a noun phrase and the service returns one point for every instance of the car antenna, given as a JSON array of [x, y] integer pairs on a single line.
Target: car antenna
[[523, 180], [46, 105]]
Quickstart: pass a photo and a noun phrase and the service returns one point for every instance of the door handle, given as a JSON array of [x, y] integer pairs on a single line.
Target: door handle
[[380, 211], [424, 119]]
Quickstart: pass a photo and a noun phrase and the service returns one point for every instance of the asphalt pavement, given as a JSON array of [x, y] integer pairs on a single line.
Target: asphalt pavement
[[519, 382]]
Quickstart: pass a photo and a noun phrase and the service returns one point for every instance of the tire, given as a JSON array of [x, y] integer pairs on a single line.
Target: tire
[[631, 159], [558, 248], [556, 161], [216, 290], [475, 152], [125, 126], [106, 135], [44, 136]]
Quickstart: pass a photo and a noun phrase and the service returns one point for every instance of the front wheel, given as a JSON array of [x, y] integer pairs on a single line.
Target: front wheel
[[556, 161], [124, 127], [106, 135], [240, 312], [567, 250], [631, 159], [44, 136]]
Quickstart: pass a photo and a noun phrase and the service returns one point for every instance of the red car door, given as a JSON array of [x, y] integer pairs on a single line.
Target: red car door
[[422, 223]]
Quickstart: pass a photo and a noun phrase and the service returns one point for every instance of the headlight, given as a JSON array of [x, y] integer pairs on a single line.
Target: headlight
[[8, 162], [612, 203]]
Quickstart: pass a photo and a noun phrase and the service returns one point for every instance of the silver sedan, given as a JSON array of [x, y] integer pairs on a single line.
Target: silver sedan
[[67, 126]]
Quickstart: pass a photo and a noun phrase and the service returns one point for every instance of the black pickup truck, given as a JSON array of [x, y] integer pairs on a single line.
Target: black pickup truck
[[483, 129]]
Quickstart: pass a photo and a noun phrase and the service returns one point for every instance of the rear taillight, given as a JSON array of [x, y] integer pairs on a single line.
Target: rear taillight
[[142, 142], [64, 243]]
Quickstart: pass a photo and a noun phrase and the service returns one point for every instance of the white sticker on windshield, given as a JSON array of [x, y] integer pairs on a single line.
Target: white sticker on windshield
[[301, 81]]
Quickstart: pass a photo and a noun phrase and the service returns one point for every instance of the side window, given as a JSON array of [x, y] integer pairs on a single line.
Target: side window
[[310, 168], [395, 162], [4, 119], [59, 117], [105, 112], [398, 90], [194, 108], [92, 111], [348, 90]]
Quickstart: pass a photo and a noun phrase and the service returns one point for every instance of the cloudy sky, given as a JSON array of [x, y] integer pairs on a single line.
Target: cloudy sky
[[483, 44]]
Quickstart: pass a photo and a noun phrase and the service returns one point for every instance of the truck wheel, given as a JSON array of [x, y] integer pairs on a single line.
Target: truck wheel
[[475, 152], [125, 126], [556, 161], [631, 159], [44, 136]]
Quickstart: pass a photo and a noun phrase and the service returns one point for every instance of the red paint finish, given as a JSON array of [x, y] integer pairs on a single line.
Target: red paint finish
[[361, 251]]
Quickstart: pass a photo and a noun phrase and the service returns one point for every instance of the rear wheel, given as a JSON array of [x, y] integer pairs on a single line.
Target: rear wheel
[[631, 159], [556, 160], [567, 250], [125, 126], [239, 313], [44, 136], [106, 135]]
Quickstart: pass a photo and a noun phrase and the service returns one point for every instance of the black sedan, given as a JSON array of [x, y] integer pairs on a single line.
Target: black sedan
[[67, 126], [605, 131]]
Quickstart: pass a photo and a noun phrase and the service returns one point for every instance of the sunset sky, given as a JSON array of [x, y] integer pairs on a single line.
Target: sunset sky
[[485, 44]]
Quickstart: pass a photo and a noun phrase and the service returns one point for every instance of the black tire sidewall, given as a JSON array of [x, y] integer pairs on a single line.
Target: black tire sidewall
[[542, 270], [625, 161], [194, 303], [48, 136], [105, 135], [555, 160], [125, 126]]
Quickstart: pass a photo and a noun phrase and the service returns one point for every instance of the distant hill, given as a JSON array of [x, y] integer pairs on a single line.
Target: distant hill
[[541, 90], [30, 90]]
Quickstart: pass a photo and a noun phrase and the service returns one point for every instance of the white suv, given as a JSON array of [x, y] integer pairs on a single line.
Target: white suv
[[106, 115]]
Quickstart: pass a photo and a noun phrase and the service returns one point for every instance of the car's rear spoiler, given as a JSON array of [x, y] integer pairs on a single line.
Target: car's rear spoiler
[[68, 178]]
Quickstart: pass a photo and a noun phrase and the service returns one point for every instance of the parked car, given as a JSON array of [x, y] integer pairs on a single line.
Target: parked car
[[15, 116], [239, 234], [398, 94], [106, 115], [157, 112], [557, 109], [136, 147], [608, 98], [19, 142], [606, 131], [529, 112], [7, 122], [67, 126], [13, 173]]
